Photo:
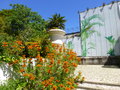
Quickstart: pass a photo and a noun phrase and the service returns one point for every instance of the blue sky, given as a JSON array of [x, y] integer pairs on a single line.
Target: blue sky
[[67, 8]]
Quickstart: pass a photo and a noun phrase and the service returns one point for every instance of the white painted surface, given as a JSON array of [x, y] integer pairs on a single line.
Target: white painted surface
[[111, 27], [2, 77], [110, 15], [4, 72], [76, 43], [57, 36]]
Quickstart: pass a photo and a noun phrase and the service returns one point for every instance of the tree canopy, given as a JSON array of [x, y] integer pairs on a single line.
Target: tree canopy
[[19, 18]]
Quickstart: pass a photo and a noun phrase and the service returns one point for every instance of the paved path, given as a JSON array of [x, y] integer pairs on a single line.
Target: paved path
[[97, 73]]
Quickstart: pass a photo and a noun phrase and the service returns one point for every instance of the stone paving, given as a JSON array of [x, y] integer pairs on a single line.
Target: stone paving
[[98, 73]]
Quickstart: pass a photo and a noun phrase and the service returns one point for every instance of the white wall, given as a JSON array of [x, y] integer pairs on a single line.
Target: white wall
[[111, 27], [76, 43]]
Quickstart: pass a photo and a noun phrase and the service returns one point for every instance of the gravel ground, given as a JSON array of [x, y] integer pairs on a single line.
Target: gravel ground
[[97, 73]]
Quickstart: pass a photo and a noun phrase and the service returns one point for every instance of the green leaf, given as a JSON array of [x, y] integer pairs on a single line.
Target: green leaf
[[19, 88], [111, 39], [111, 52]]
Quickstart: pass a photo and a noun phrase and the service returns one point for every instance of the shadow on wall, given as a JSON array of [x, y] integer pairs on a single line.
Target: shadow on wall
[[118, 10], [114, 61]]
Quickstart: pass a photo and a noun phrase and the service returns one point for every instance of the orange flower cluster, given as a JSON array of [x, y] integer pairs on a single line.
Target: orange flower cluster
[[50, 66], [24, 65], [30, 59], [22, 70], [14, 46], [24, 56], [38, 56], [66, 70], [31, 76], [34, 46], [52, 61], [59, 61], [61, 85], [4, 44], [74, 64], [38, 65], [55, 45], [69, 83], [19, 42], [65, 66], [54, 87], [22, 47], [79, 59], [47, 49], [48, 82], [24, 61], [50, 55], [16, 61], [49, 71], [67, 88], [30, 47], [26, 75], [72, 87], [57, 80]]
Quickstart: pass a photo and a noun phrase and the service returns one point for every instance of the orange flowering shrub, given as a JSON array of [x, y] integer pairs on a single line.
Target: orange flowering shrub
[[12, 50], [16, 49], [53, 71]]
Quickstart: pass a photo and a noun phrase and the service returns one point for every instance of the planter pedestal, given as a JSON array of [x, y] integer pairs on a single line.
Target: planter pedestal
[[56, 36]]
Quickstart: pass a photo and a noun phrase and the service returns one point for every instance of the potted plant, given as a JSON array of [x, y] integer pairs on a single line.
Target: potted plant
[[56, 26]]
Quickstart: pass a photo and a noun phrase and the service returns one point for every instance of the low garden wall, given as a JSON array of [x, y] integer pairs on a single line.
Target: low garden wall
[[101, 60]]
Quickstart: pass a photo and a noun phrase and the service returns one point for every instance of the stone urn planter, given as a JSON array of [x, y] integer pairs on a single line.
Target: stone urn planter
[[56, 35]]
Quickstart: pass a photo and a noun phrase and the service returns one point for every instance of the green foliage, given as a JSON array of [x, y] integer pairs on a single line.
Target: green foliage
[[87, 31], [112, 42], [5, 37], [70, 45], [30, 35], [22, 24], [111, 52], [35, 62], [49, 72], [13, 84], [56, 22], [10, 85], [2, 24], [21, 18], [87, 24]]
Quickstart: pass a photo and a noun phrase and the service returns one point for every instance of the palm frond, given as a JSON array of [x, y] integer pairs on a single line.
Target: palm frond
[[56, 21], [111, 39], [96, 16]]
